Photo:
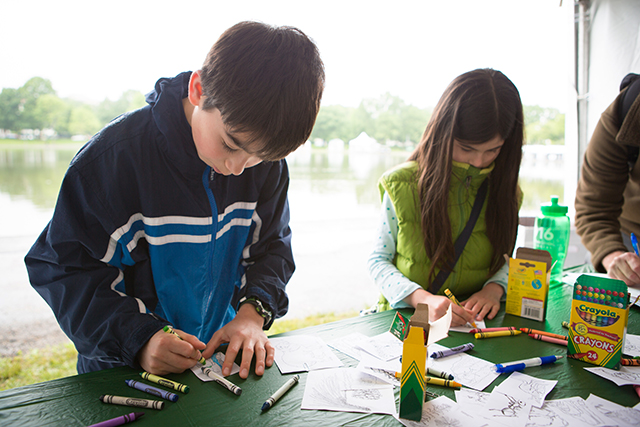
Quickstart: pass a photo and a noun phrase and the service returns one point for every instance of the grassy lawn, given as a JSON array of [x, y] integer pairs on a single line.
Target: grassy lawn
[[59, 361]]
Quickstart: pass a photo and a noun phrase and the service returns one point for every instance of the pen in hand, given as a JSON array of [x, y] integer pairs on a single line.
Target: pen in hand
[[634, 243]]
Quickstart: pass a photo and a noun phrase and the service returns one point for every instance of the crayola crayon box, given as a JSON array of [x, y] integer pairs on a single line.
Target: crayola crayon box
[[528, 286], [599, 315]]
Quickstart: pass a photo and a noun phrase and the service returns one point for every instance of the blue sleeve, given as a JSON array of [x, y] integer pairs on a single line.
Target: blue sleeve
[[65, 268], [269, 257], [392, 283]]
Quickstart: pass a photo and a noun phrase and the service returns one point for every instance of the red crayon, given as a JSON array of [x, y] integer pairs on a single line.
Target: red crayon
[[637, 388], [504, 328], [549, 334], [577, 355], [548, 339]]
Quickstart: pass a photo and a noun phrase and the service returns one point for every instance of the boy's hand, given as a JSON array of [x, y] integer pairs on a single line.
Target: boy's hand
[[485, 302], [438, 306], [165, 353], [244, 333]]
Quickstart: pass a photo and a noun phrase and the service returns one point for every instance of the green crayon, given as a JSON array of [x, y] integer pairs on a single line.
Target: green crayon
[[165, 382]]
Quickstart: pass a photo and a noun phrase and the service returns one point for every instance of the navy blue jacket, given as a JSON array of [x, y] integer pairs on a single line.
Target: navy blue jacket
[[145, 234]]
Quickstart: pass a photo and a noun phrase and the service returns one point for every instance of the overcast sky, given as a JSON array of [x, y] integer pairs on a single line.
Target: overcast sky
[[411, 49]]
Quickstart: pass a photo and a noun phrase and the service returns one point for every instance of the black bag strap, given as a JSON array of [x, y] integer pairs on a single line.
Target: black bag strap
[[632, 82], [462, 239]]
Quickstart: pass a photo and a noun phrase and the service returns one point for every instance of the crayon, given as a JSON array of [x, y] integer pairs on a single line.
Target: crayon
[[505, 328], [222, 381], [548, 339], [549, 334], [636, 387], [436, 381], [170, 330], [454, 300], [442, 382], [451, 351], [565, 324], [165, 382], [118, 421], [629, 362], [152, 390], [439, 374], [132, 401], [280, 392], [496, 334], [577, 355]]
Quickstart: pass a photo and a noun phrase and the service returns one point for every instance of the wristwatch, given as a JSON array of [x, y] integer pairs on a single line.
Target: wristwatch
[[260, 308]]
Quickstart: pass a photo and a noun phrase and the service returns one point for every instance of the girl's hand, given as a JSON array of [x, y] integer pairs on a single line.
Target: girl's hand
[[623, 266], [165, 353], [438, 306], [486, 302]]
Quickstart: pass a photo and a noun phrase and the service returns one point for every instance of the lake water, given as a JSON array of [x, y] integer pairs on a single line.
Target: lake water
[[334, 210]]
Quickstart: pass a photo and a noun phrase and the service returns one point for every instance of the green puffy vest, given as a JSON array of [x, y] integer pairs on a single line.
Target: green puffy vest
[[472, 269]]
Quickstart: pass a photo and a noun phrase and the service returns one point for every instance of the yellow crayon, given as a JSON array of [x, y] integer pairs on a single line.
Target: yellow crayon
[[165, 382], [454, 300], [170, 330], [480, 335], [437, 381]]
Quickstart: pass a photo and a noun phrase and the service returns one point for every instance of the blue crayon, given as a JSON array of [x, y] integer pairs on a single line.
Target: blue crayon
[[152, 390], [451, 351]]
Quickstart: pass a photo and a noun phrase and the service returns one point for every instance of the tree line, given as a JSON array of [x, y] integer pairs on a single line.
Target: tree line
[[387, 119]]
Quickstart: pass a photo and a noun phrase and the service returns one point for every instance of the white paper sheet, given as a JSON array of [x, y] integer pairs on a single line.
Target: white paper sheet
[[297, 353], [626, 374], [467, 370], [347, 390], [631, 345], [526, 388], [384, 346], [215, 363], [443, 411], [614, 414], [466, 328], [570, 412]]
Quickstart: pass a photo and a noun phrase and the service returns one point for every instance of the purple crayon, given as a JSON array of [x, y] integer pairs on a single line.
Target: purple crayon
[[152, 390], [452, 351], [118, 421]]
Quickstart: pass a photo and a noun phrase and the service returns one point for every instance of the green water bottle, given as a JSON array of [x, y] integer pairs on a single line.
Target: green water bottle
[[551, 233]]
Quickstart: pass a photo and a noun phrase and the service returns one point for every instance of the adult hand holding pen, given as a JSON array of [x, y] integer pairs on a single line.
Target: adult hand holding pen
[[244, 333], [623, 266]]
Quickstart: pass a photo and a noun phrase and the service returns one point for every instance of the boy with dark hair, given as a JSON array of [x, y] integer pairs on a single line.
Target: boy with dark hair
[[177, 214]]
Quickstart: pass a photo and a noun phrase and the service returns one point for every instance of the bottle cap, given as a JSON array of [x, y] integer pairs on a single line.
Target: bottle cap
[[553, 208]]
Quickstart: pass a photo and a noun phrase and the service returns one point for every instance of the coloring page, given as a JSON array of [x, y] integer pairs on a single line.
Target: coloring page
[[571, 412], [507, 410], [347, 390], [386, 375], [466, 328], [615, 414], [384, 346], [297, 353], [349, 345], [527, 388], [215, 363], [471, 402], [632, 345], [443, 412], [467, 370], [626, 374]]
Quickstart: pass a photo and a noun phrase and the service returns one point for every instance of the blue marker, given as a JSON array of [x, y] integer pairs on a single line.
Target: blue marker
[[504, 368], [152, 390], [634, 242]]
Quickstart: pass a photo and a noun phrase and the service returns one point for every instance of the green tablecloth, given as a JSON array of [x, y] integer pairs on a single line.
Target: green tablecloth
[[73, 401]]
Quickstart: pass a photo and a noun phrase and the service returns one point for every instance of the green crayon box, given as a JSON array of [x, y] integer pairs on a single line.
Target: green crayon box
[[599, 316]]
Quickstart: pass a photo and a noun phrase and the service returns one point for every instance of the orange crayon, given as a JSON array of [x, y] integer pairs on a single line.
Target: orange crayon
[[549, 334]]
